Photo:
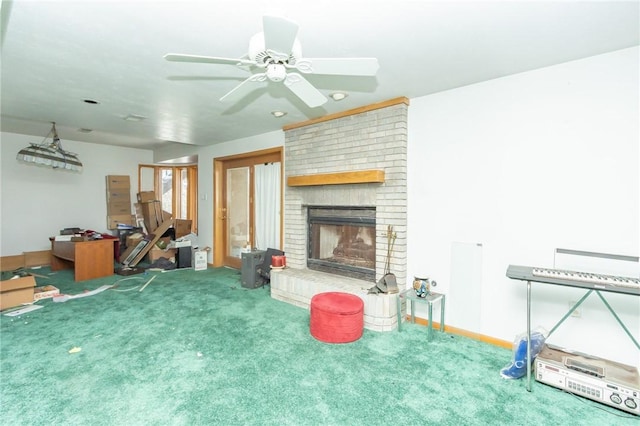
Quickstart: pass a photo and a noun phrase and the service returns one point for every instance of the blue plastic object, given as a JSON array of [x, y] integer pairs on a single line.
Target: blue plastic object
[[518, 367]]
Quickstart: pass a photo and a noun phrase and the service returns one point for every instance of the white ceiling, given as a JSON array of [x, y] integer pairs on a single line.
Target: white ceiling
[[57, 53]]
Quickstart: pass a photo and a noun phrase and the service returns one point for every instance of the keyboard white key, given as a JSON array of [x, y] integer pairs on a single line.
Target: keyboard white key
[[587, 277]]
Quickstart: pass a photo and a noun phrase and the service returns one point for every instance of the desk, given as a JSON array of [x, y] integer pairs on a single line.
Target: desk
[[525, 273], [89, 259], [411, 297]]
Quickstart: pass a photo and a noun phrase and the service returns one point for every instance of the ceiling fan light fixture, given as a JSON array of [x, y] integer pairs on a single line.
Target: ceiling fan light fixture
[[276, 72], [338, 96], [278, 114], [50, 154]]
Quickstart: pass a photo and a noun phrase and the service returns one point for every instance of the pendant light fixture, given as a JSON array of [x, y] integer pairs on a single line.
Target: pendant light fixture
[[50, 154]]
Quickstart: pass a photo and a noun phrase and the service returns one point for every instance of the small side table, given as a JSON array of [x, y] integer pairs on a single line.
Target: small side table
[[411, 297]]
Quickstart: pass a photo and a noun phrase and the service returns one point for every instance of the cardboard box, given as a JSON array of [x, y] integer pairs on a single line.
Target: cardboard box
[[156, 236], [182, 227], [152, 214], [119, 208], [157, 253], [127, 219], [118, 195], [134, 239], [200, 259], [146, 196], [138, 209], [160, 249], [11, 263], [37, 258], [45, 292], [114, 181], [15, 292]]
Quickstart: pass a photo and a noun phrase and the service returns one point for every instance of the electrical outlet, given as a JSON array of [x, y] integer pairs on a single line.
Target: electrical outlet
[[577, 313]]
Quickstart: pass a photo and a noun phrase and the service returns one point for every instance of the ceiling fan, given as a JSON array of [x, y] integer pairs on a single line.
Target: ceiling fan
[[276, 55]]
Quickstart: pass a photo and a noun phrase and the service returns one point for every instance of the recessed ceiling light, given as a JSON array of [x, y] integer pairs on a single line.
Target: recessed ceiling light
[[90, 101], [278, 114], [83, 130], [134, 117], [338, 96]]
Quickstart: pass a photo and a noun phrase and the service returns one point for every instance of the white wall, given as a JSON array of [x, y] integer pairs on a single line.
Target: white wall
[[523, 165], [37, 202], [206, 156]]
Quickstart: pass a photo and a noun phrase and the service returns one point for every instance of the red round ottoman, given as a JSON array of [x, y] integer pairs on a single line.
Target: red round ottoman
[[336, 317]]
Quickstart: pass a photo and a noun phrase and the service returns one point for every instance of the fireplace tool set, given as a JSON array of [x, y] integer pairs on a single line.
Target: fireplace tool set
[[388, 283]]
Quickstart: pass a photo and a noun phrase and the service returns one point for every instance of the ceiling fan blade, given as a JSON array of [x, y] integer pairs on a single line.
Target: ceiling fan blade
[[176, 57], [242, 89], [339, 66], [304, 90], [279, 34]]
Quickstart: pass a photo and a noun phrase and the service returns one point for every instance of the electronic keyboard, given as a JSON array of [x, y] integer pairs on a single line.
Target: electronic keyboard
[[587, 277], [611, 283]]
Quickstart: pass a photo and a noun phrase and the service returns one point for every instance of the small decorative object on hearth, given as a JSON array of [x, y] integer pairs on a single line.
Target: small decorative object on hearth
[[422, 286], [50, 154], [278, 262]]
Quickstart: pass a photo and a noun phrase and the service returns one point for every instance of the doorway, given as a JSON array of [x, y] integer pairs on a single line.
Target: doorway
[[247, 204]]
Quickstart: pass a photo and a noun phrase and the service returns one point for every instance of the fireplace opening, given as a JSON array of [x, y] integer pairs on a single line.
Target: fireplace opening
[[342, 241]]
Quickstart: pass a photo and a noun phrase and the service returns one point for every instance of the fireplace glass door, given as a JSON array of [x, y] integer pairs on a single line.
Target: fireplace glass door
[[342, 240]]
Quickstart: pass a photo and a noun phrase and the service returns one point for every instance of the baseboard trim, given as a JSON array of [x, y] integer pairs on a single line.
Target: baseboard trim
[[462, 332]]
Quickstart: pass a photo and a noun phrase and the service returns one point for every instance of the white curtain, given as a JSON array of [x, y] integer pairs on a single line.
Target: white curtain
[[267, 206]]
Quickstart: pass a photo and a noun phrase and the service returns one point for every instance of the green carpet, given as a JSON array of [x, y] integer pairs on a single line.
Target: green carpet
[[195, 348]]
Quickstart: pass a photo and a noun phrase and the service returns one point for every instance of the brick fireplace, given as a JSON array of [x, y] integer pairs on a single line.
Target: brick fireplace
[[372, 138]]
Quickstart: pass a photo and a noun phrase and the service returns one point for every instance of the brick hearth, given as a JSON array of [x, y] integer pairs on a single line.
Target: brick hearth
[[298, 286]]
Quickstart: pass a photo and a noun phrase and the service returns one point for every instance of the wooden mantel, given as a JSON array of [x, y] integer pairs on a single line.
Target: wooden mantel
[[362, 176]]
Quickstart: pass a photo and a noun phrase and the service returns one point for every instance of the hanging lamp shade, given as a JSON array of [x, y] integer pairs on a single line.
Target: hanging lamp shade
[[50, 154]]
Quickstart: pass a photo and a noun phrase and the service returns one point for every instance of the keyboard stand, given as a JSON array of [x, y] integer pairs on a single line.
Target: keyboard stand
[[524, 273], [579, 302]]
